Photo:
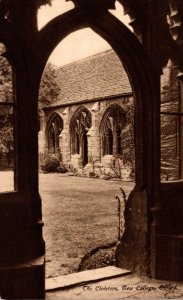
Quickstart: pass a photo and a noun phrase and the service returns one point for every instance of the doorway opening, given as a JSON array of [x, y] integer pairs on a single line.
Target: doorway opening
[[95, 98], [80, 124]]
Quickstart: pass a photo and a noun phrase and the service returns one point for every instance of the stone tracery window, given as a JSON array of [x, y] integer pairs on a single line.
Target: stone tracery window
[[111, 130], [79, 126], [55, 127]]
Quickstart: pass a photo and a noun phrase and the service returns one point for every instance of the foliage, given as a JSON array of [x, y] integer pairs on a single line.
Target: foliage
[[128, 138], [49, 162], [116, 165], [92, 174], [6, 142], [98, 257], [49, 89], [6, 93], [6, 133], [61, 168]]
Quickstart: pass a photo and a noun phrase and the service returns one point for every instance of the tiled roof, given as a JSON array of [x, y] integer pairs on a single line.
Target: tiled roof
[[98, 76]]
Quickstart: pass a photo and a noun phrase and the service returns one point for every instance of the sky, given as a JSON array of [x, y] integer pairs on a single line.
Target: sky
[[89, 42]]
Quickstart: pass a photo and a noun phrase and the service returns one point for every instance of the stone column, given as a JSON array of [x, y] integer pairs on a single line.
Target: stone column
[[94, 148], [42, 133], [21, 243], [114, 142], [65, 138], [94, 141]]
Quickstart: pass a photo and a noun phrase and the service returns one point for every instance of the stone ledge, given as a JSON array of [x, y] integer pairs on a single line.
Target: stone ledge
[[75, 279]]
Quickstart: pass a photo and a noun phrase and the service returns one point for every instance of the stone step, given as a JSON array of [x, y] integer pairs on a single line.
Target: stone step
[[83, 277]]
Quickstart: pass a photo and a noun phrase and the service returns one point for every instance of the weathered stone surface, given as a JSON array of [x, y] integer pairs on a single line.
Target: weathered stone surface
[[103, 76], [170, 128], [132, 252], [123, 287], [84, 277], [102, 83], [94, 139]]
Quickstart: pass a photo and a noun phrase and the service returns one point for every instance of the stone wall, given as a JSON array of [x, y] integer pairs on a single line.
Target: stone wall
[[98, 165], [170, 125], [101, 81], [95, 82]]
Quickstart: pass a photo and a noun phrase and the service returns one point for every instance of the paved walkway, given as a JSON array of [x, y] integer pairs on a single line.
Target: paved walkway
[[122, 287]]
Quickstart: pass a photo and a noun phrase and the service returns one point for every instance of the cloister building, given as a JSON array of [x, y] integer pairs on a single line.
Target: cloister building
[[91, 128], [92, 125], [152, 243]]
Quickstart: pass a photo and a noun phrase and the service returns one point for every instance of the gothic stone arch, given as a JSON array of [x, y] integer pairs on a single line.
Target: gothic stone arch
[[80, 124], [54, 129], [111, 130], [28, 51], [145, 87]]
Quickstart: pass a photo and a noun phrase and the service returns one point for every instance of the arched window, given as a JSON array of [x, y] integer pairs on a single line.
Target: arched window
[[111, 130], [118, 140], [55, 126], [79, 126], [109, 141]]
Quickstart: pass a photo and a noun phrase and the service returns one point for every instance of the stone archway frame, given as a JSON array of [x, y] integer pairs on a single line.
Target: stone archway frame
[[105, 116], [75, 114], [145, 86], [78, 111], [51, 117]]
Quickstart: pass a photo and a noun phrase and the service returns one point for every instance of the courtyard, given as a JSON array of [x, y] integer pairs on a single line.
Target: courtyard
[[79, 214]]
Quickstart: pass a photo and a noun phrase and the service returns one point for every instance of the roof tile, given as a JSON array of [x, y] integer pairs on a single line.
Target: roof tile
[[98, 76]]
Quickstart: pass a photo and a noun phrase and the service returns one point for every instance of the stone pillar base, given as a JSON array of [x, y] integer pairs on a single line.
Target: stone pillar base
[[23, 281], [132, 251]]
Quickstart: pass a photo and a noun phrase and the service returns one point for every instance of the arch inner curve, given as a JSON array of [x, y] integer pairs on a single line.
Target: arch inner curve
[[54, 129], [79, 127]]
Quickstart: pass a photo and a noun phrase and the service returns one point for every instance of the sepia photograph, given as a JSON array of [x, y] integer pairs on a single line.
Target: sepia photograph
[[91, 149]]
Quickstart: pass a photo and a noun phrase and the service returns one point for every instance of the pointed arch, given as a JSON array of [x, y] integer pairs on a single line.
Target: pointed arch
[[144, 80], [79, 127], [54, 129], [111, 128]]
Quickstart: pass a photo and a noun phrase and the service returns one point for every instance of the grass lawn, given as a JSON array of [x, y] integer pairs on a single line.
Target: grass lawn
[[79, 214]]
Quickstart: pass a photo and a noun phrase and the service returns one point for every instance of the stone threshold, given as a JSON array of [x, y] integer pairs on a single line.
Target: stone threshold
[[80, 278]]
